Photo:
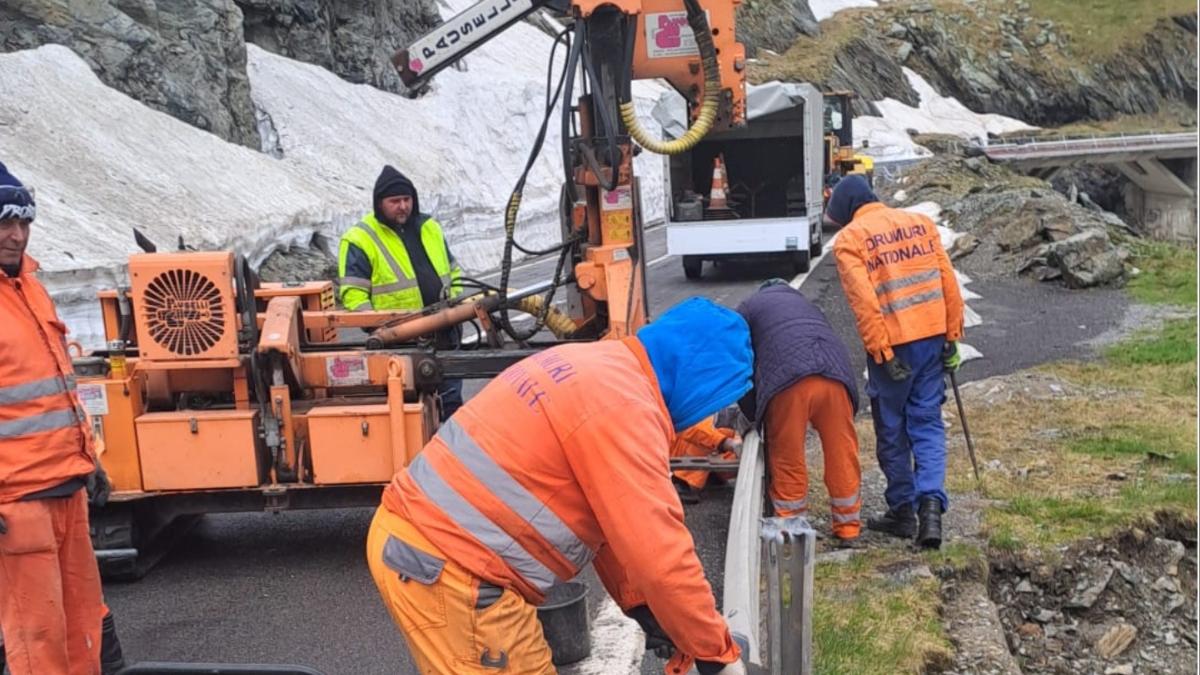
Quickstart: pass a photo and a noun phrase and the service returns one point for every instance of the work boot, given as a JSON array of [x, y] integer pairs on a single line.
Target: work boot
[[687, 494], [929, 534], [898, 522], [111, 658]]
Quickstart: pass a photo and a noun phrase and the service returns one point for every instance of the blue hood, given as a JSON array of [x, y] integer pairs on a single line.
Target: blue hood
[[702, 357], [851, 193]]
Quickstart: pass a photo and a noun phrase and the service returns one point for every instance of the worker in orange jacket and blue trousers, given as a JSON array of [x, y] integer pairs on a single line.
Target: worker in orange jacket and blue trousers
[[52, 614], [559, 462], [905, 297]]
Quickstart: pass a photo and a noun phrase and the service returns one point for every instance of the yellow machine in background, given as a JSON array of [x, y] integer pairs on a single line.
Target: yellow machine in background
[[840, 158]]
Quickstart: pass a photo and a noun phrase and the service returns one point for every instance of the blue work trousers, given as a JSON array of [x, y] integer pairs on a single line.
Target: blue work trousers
[[910, 438]]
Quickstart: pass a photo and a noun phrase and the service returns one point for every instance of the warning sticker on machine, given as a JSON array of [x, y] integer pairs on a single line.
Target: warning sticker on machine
[[618, 199], [94, 398], [346, 371], [668, 34]]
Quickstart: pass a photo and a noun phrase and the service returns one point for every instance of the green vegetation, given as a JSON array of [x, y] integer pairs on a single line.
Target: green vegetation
[[1098, 28], [1168, 275], [864, 622], [1174, 344]]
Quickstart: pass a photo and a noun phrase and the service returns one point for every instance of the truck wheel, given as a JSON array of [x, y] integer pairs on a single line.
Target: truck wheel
[[692, 266], [819, 246], [800, 262]]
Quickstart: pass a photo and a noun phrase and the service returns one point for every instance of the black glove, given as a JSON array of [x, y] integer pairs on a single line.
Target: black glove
[[98, 487], [897, 369], [715, 668], [657, 640]]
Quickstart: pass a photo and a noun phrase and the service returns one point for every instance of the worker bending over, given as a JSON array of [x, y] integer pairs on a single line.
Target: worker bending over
[[802, 374], [52, 614], [396, 258], [560, 461], [902, 288], [705, 439]]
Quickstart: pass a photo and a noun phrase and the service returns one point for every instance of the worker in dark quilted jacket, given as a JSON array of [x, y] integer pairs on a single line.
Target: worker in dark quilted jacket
[[802, 376]]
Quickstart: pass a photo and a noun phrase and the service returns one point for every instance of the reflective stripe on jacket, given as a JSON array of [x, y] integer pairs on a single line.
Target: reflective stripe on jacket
[[561, 459], [44, 434], [898, 279], [393, 283]]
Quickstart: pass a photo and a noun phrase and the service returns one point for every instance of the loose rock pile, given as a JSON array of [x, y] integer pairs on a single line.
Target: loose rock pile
[[1123, 605], [1022, 222]]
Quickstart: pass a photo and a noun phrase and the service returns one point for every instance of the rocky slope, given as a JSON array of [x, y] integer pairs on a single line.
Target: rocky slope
[[1018, 224], [1009, 58]]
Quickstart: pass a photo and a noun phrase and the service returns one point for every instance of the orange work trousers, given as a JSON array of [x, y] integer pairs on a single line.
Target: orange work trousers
[[440, 608], [825, 404], [702, 440], [50, 601]]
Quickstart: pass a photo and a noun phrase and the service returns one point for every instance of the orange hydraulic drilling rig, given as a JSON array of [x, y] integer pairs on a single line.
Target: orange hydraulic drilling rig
[[217, 393]]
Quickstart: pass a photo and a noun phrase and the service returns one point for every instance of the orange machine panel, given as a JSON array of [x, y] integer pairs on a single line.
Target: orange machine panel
[[183, 305], [353, 444], [115, 404], [199, 449], [350, 444]]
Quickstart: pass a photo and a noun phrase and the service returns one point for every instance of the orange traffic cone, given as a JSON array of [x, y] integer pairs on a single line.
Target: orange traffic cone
[[716, 198]]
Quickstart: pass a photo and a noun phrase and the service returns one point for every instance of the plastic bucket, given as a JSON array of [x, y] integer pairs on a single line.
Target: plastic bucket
[[566, 624]]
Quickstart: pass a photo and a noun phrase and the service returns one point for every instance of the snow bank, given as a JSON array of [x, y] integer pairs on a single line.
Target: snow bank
[[102, 163], [823, 9], [887, 135]]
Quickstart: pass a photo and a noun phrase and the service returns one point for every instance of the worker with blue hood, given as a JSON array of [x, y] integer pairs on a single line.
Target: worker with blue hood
[[560, 462]]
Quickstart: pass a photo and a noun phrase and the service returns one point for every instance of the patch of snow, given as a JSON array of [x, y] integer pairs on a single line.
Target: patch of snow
[[887, 134], [823, 9], [102, 163]]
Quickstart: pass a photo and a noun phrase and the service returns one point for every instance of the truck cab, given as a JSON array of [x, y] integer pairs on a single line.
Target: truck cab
[[768, 177]]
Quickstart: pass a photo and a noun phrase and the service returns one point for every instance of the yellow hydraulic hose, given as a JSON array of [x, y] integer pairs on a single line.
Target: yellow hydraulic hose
[[708, 105], [558, 322]]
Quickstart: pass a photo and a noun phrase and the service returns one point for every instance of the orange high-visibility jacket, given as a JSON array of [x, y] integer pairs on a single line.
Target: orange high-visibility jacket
[[44, 435], [897, 278], [561, 459]]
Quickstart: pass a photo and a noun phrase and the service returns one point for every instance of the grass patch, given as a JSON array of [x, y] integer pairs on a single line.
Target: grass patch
[[958, 557], [1088, 448], [1099, 28], [1168, 275], [1175, 344], [864, 622]]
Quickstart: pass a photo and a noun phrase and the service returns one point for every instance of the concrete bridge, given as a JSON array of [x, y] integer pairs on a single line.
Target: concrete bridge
[[1161, 169]]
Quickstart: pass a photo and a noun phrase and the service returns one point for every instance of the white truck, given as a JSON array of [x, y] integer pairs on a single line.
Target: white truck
[[774, 167]]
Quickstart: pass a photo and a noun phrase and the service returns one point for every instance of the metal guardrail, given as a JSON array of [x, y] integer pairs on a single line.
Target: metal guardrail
[[775, 553], [1027, 146]]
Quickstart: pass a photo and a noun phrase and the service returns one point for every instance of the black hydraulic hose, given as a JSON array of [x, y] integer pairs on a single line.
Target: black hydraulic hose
[[569, 89], [514, 205]]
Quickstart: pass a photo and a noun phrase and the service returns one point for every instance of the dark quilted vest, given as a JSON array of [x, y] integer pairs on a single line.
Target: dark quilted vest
[[792, 339]]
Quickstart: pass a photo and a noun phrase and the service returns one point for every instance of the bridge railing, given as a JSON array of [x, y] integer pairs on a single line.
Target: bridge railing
[[1090, 142]]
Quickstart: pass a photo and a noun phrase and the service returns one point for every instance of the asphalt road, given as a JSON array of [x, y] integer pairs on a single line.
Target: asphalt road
[[294, 588]]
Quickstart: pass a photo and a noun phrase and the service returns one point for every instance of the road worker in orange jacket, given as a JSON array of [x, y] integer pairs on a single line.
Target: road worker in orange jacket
[[902, 288], [705, 439], [51, 610], [562, 461]]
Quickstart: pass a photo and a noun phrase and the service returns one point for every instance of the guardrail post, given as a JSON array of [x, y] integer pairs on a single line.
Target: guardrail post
[[789, 555]]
